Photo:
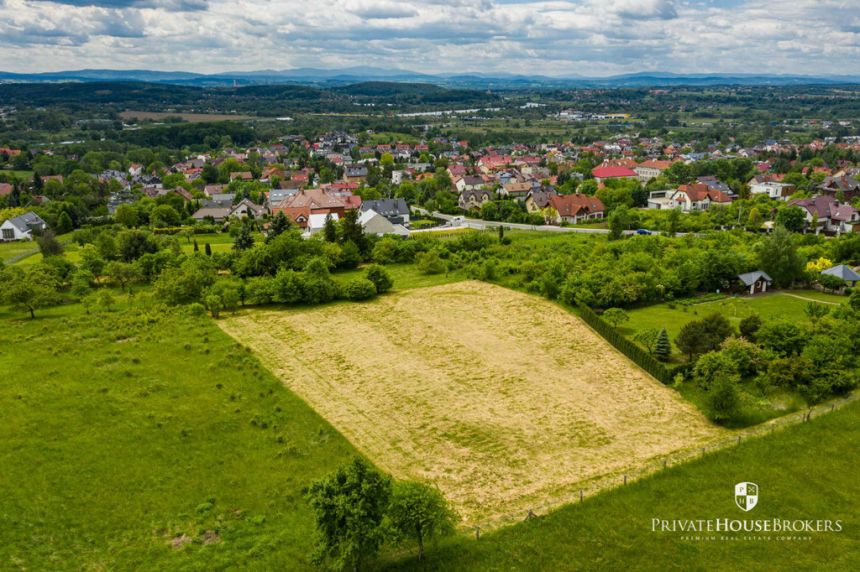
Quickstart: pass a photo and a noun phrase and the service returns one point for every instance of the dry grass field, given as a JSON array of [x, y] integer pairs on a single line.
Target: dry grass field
[[189, 117], [505, 401]]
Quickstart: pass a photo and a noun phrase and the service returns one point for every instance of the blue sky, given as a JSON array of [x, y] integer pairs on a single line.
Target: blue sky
[[550, 37]]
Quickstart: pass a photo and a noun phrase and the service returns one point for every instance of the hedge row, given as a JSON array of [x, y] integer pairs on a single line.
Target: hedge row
[[629, 348]]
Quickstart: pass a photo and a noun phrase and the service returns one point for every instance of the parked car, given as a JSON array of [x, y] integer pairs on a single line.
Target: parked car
[[643, 231]]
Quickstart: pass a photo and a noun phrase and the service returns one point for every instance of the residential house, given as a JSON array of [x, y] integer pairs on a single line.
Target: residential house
[[242, 176], [756, 282], [396, 211], [474, 199], [651, 169], [773, 189], [695, 197], [376, 224], [22, 227], [825, 213], [355, 173], [536, 201], [602, 174], [247, 208], [299, 206], [5, 189], [847, 185], [575, 208], [515, 190], [316, 221], [469, 183]]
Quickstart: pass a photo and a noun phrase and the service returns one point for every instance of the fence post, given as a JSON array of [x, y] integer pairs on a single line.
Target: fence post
[[477, 533], [739, 439], [580, 495], [625, 480], [664, 463]]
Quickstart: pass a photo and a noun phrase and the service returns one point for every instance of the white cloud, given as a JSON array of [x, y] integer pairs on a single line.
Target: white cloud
[[554, 37]]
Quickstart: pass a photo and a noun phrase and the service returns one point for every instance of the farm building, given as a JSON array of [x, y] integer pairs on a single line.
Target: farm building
[[756, 282]]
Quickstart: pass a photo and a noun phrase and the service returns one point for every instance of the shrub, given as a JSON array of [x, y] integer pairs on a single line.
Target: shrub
[[430, 262], [723, 400], [360, 289], [380, 278]]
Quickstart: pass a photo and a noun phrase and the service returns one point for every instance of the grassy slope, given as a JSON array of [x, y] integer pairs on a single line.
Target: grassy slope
[[806, 471], [116, 434]]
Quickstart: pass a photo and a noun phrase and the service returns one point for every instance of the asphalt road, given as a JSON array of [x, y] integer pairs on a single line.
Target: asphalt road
[[485, 224]]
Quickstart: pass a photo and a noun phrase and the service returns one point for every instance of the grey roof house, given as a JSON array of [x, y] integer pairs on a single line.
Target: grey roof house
[[395, 210], [21, 227]]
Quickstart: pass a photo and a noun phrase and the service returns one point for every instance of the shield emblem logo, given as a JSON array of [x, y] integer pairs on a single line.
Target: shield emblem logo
[[746, 496]]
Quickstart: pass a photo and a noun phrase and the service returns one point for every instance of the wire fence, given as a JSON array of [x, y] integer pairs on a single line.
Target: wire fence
[[618, 479]]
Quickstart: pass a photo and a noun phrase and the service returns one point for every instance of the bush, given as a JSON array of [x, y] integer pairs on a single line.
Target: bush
[[430, 262], [380, 278], [360, 289], [723, 400]]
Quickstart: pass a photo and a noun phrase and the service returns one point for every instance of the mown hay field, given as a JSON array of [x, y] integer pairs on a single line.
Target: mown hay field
[[501, 399]]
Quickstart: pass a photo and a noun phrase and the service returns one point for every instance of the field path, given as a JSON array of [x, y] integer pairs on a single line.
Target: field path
[[503, 400]]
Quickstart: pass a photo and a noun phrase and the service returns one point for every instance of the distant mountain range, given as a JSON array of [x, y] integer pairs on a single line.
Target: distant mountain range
[[334, 77]]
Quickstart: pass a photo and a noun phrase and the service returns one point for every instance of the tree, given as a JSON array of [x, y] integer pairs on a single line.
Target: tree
[[618, 222], [792, 218], [782, 337], [329, 229], [244, 240], [615, 316], [700, 336], [207, 249], [280, 224], [349, 507], [49, 245], [419, 513], [123, 274], [30, 289], [723, 400], [749, 326], [64, 223], [648, 338], [351, 230], [214, 305], [663, 349], [778, 257], [126, 215], [380, 278]]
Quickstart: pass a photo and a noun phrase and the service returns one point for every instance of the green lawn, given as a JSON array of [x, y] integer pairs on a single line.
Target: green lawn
[[12, 251], [787, 305], [125, 430], [805, 472]]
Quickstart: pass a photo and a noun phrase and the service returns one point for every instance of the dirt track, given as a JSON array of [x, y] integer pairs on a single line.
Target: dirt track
[[501, 399]]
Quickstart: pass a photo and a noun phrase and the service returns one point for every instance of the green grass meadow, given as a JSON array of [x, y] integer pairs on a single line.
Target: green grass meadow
[[805, 472], [125, 431]]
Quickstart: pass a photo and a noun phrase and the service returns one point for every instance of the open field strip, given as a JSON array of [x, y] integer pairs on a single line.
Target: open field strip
[[503, 400]]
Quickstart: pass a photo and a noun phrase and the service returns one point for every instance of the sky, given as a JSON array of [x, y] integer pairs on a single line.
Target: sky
[[547, 37]]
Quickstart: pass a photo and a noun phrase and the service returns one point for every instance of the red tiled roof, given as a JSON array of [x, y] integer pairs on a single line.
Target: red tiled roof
[[571, 205], [610, 172]]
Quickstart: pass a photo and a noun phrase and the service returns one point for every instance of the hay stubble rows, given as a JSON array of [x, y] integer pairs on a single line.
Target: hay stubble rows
[[501, 399]]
